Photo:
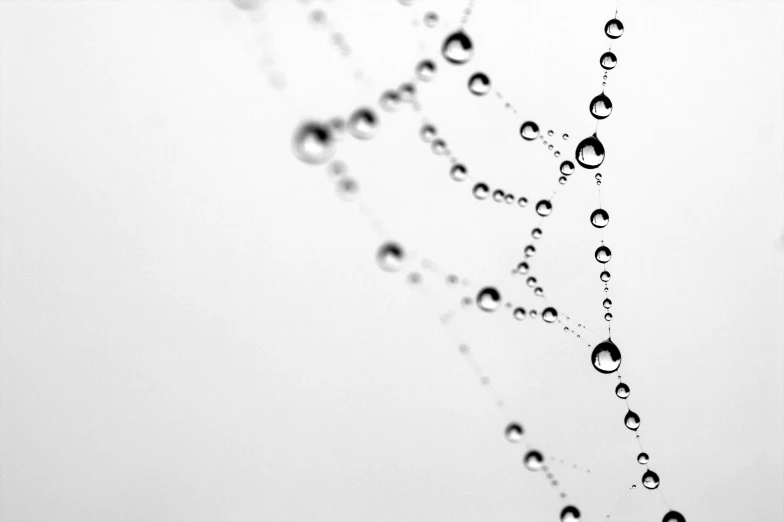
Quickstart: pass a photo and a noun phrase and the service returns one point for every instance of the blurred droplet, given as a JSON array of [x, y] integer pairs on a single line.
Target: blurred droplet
[[642, 458], [458, 172], [426, 70], [457, 48], [533, 460], [479, 84], [390, 256], [603, 254], [363, 123], [514, 433], [313, 143]]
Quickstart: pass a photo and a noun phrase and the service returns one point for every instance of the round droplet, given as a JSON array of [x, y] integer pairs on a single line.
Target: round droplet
[[426, 70], [673, 516], [458, 172], [536, 233], [601, 106], [590, 152], [481, 191], [389, 101], [622, 390], [347, 189], [600, 218], [533, 460], [479, 84], [538, 291], [363, 123], [407, 92], [529, 131], [457, 48], [544, 208], [632, 420], [488, 299], [337, 168], [414, 278], [533, 314], [431, 19], [607, 303], [562, 180], [390, 256], [439, 147], [549, 315], [427, 133], [514, 433], [498, 195], [522, 202], [608, 60], [650, 480], [606, 357], [522, 268], [565, 136], [519, 313], [313, 143], [642, 458], [570, 514], [613, 28], [567, 167], [529, 251], [531, 282], [598, 176], [603, 254], [550, 133], [509, 199], [604, 276], [608, 316], [550, 147]]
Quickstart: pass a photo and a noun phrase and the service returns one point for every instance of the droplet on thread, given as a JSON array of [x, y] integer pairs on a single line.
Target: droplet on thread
[[613, 29], [600, 106], [631, 420], [479, 84], [544, 208], [457, 48], [603, 254], [608, 61], [650, 479], [622, 390], [529, 131], [514, 433], [313, 143], [390, 256], [590, 152], [606, 357], [600, 218], [488, 299], [481, 191]]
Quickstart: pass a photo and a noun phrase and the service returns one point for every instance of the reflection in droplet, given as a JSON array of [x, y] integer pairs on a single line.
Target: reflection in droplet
[[313, 143], [514, 432], [529, 251], [390, 256], [479, 84], [538, 291], [536, 233], [481, 191], [488, 299], [632, 420], [438, 146], [650, 479], [531, 282], [389, 101], [600, 218], [498, 195], [606, 357], [642, 458], [570, 514], [549, 315], [608, 316], [457, 48], [522, 268], [600, 106], [622, 390], [533, 460], [363, 123], [603, 254], [529, 130], [613, 28], [590, 152], [426, 70], [544, 208]]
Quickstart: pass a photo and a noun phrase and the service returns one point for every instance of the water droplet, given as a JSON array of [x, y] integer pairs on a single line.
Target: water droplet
[[467, 301], [533, 460], [363, 123], [557, 154], [347, 189], [536, 233], [603, 254], [427, 133], [451, 279], [613, 28], [608, 60], [407, 92], [570, 513], [479, 84], [457, 48], [522, 268], [390, 256], [600, 218], [634, 486], [606, 357], [562, 180], [590, 152], [598, 176], [608, 316], [426, 70], [438, 146], [549, 314], [498, 195], [650, 480], [514, 433], [632, 420], [529, 251], [601, 106], [544, 208], [313, 143], [567, 168], [533, 314], [337, 168], [522, 202], [488, 299], [481, 191], [673, 516], [509, 199], [604, 276], [519, 313], [607, 303], [642, 458], [531, 282], [538, 291], [458, 172], [529, 131], [550, 147], [622, 390], [389, 101], [431, 19]]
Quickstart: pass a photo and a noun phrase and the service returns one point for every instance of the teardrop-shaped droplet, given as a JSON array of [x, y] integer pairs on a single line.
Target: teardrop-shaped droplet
[[613, 28], [389, 101], [673, 516], [390, 256], [514, 432], [426, 70], [608, 60], [604, 276], [519, 313], [549, 315], [479, 84], [606, 357], [427, 133], [601, 106], [363, 123], [313, 143], [457, 48], [603, 254], [607, 303], [533, 460], [642, 458], [544, 208], [567, 167], [622, 390], [590, 152], [600, 218], [488, 299], [650, 480], [481, 191], [570, 514], [632, 420], [458, 172], [529, 131]]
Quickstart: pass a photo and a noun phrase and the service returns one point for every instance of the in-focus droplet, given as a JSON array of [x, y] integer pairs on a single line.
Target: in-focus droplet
[[389, 101], [613, 28], [606, 357], [529, 251], [557, 154], [590, 152], [426, 70], [522, 268], [600, 106], [604, 276], [603, 254], [514, 433], [565, 136], [600, 218], [498, 195], [529, 131], [427, 133], [488, 299], [642, 458], [458, 172], [363, 123], [598, 176], [622, 390], [567, 167], [607, 303], [522, 202], [347, 189], [457, 48], [549, 315], [631, 420], [481, 191], [570, 514], [533, 460], [562, 180], [536, 233], [531, 282], [544, 208], [479, 84], [673, 516], [608, 316], [650, 479], [313, 143], [538, 291], [519, 313], [390, 256], [608, 60]]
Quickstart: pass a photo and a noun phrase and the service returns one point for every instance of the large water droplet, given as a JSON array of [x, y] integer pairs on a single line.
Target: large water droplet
[[390, 256], [622, 390], [650, 480], [529, 251], [567, 167], [488, 299], [570, 514], [481, 191], [549, 315], [514, 432], [590, 152], [313, 143], [529, 131], [613, 28], [458, 172], [632, 420], [601, 106], [479, 84], [673, 516], [426, 70], [608, 60], [603, 254], [642, 458], [533, 460], [600, 218], [457, 48], [544, 208], [606, 357], [363, 123]]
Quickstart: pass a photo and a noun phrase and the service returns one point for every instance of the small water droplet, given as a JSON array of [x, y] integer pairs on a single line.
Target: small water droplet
[[608, 60], [457, 48], [458, 172], [389, 101], [538, 291], [604, 276], [590, 152], [533, 460], [529, 251], [427, 132], [481, 191], [608, 316], [557, 154], [544, 208], [390, 256], [519, 313], [600, 106], [529, 131], [313, 143], [514, 433], [407, 92], [484, 380], [549, 315], [531, 282], [606, 357], [522, 268], [431, 19], [533, 314], [642, 458], [622, 390], [562, 180], [439, 147], [600, 218], [498, 195], [488, 299], [509, 199], [613, 28], [570, 514], [603, 254], [632, 420], [347, 189], [414, 278], [464, 349], [607, 303], [536, 233], [363, 123], [522, 202], [479, 84], [426, 70], [650, 479]]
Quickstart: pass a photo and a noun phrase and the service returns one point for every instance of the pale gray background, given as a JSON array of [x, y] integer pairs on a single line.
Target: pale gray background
[[192, 325]]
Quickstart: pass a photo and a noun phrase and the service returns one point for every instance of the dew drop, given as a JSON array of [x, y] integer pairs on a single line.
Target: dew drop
[[632, 420], [606, 357], [313, 143], [533, 314], [457, 48], [590, 152], [642, 458], [608, 61], [604, 276], [509, 199], [538, 291], [531, 282], [514, 433], [613, 28], [439, 147], [458, 172], [622, 390], [600, 218], [557, 154], [549, 315], [673, 516], [407, 92], [488, 299], [607, 303], [529, 251], [390, 256], [426, 70], [519, 313], [414, 278], [522, 202], [533, 460], [570, 513], [347, 189], [562, 180], [427, 133], [529, 131], [481, 191], [479, 84], [598, 176], [522, 268], [544, 208], [498, 195], [536, 233], [389, 101], [363, 123], [608, 316], [601, 106], [650, 480], [567, 168], [603, 254]]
